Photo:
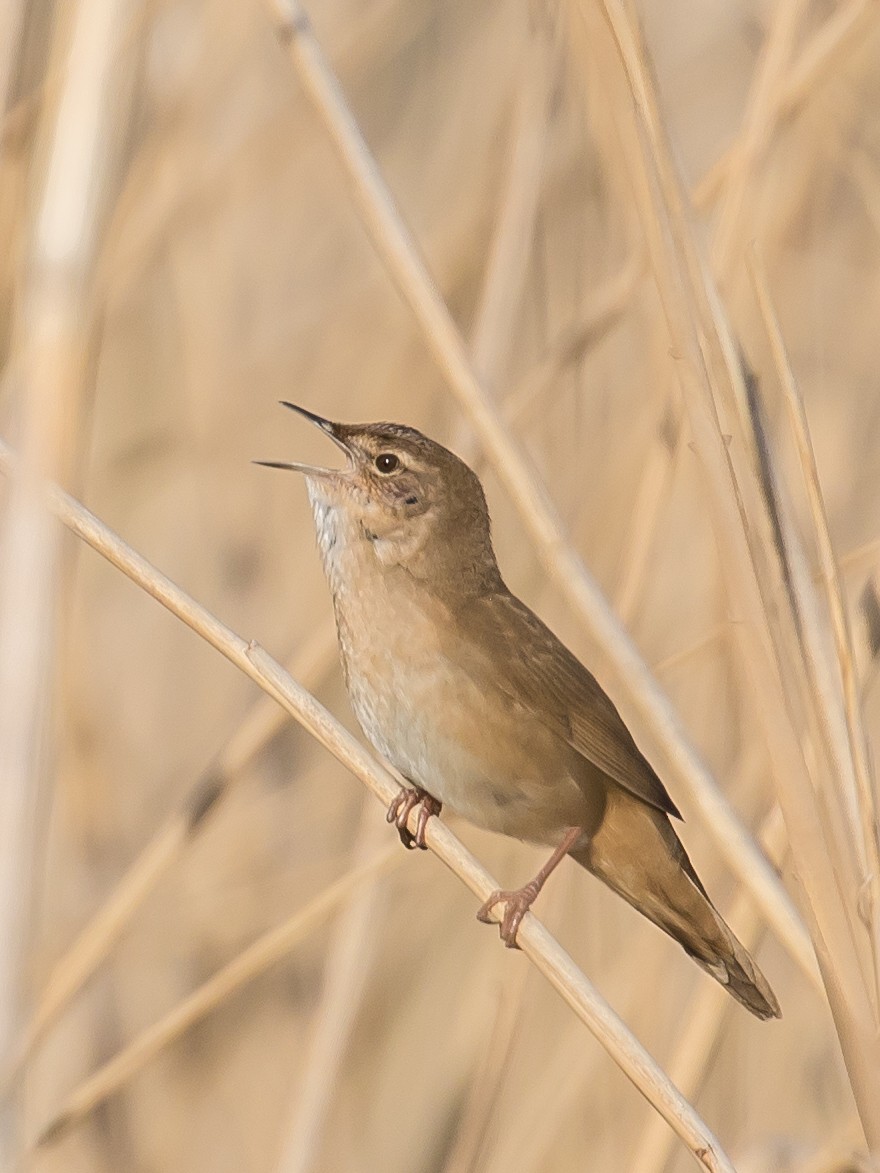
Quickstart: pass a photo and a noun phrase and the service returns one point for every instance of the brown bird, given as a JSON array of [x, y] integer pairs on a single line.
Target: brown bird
[[478, 704]]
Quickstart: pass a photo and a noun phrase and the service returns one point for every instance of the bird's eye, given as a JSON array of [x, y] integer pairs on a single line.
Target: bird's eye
[[387, 462]]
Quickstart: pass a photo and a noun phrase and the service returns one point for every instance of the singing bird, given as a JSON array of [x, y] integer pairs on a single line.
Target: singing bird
[[479, 705]]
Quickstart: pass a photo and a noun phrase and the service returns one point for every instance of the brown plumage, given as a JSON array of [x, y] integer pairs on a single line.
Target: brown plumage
[[479, 705]]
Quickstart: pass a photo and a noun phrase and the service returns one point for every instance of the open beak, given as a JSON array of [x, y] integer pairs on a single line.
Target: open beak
[[332, 431]]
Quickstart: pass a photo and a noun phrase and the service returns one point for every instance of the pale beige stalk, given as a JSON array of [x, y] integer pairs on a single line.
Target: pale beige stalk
[[709, 373], [538, 945], [837, 610], [94, 943], [44, 378]]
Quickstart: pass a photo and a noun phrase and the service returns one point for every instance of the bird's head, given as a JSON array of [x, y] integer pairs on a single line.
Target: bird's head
[[417, 503]]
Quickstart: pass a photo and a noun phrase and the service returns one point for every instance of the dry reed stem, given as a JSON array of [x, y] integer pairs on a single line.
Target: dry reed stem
[[605, 309], [472, 1126], [837, 37], [28, 548], [707, 1012], [830, 574], [839, 1153], [93, 944], [467, 1145], [45, 379], [265, 952], [802, 79], [842, 850], [822, 711], [626, 675], [502, 290], [510, 252], [866, 552], [651, 498], [76, 965], [507, 266], [716, 632], [348, 964], [258, 726], [834, 40], [11, 24], [869, 610], [727, 251], [498, 309], [536, 942], [866, 645], [754, 134], [688, 299], [700, 336], [567, 1076], [848, 564], [104, 928], [862, 170], [833, 587], [827, 47], [497, 1051]]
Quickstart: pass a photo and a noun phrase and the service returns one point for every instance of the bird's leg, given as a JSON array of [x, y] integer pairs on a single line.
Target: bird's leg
[[518, 901], [399, 812]]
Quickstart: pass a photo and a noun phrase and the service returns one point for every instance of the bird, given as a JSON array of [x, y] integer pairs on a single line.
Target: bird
[[479, 706]]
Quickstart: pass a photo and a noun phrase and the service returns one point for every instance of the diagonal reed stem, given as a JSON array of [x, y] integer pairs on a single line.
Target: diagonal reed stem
[[536, 942], [840, 626], [763, 564]]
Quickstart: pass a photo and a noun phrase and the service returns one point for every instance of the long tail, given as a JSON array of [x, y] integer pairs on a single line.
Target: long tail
[[636, 852]]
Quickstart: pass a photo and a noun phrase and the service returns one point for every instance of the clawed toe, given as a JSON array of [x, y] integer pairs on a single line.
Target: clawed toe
[[516, 905], [398, 813], [518, 902], [400, 809], [485, 912]]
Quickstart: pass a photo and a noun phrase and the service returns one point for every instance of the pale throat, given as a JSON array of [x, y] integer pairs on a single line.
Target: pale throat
[[351, 556], [333, 530], [349, 550]]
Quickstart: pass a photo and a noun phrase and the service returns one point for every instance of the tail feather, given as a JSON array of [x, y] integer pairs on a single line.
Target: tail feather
[[637, 853], [739, 975]]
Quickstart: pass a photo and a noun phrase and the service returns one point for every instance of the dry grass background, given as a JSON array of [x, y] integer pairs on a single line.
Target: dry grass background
[[182, 248]]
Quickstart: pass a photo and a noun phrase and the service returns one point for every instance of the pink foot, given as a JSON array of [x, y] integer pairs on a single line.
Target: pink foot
[[516, 904], [399, 812]]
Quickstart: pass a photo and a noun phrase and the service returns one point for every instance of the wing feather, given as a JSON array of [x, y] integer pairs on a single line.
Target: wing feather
[[537, 671]]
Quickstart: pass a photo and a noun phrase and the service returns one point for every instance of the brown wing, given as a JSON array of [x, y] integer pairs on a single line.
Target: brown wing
[[537, 671]]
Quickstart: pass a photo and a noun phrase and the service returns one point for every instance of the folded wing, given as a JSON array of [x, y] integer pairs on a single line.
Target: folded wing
[[538, 672]]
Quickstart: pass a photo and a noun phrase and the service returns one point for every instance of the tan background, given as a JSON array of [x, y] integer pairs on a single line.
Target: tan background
[[232, 271]]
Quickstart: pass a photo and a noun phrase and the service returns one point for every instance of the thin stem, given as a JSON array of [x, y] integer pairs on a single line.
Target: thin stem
[[265, 952], [348, 964], [752, 533], [833, 586], [836, 37], [183, 827]]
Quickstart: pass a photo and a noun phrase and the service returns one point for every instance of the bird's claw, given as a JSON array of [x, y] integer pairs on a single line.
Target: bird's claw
[[399, 811], [516, 904]]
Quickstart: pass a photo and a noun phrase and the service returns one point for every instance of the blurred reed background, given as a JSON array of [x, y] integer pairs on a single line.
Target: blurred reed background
[[182, 247]]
